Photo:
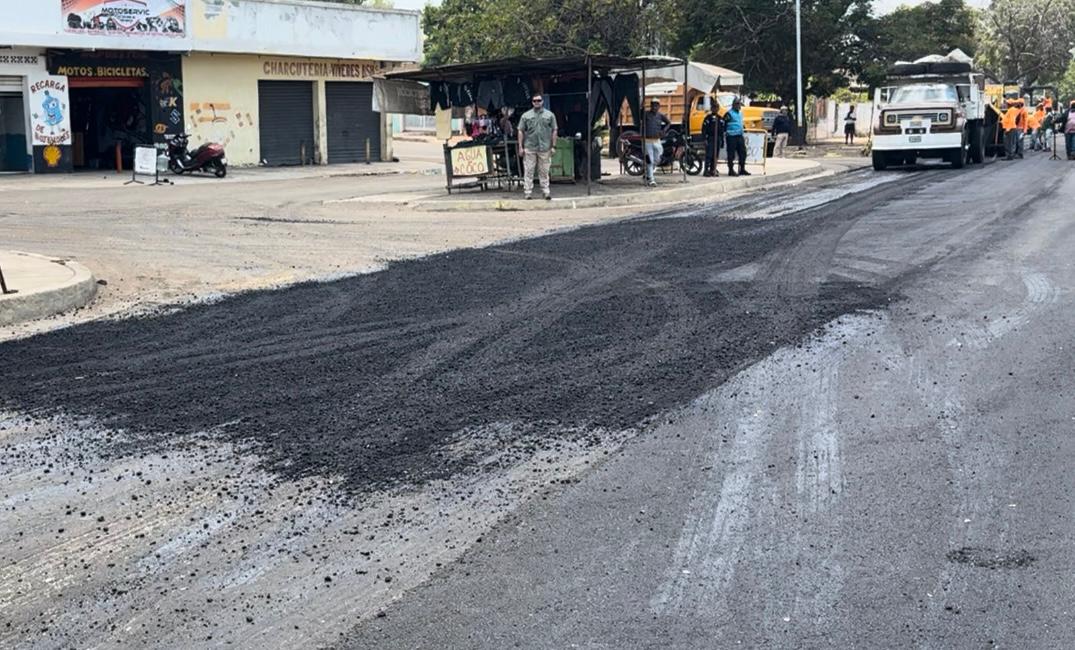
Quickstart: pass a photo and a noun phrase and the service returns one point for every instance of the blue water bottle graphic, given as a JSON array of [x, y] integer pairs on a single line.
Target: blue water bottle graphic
[[53, 110]]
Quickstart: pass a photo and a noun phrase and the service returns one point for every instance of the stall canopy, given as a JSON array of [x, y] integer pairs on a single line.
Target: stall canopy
[[527, 66], [703, 77]]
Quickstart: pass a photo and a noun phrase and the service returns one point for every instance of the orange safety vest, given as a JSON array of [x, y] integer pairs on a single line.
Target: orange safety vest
[[1047, 103], [1023, 118], [1034, 120], [1009, 121]]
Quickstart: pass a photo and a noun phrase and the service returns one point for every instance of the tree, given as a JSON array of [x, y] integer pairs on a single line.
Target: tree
[[757, 38], [1026, 41], [463, 31], [909, 33]]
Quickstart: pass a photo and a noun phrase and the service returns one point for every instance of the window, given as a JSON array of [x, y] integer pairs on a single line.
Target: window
[[924, 93]]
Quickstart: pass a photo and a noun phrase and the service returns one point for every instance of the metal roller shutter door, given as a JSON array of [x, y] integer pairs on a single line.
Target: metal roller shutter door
[[287, 122], [351, 121], [10, 84]]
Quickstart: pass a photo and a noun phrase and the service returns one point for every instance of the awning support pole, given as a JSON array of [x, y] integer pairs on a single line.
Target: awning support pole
[[589, 121], [643, 125], [686, 117]]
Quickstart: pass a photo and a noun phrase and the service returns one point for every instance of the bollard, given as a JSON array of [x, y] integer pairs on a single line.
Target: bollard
[[367, 151], [3, 285]]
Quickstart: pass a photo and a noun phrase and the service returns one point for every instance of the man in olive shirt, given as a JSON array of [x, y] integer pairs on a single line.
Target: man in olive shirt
[[537, 144]]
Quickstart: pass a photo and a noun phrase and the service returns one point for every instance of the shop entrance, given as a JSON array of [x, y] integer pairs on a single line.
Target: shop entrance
[[13, 156], [109, 118]]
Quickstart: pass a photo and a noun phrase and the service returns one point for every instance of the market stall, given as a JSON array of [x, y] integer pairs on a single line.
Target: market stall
[[580, 90]]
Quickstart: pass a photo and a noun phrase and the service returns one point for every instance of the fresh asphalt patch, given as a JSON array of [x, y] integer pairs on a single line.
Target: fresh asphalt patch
[[368, 378]]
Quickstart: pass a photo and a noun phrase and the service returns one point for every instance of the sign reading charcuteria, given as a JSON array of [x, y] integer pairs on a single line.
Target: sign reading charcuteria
[[125, 17]]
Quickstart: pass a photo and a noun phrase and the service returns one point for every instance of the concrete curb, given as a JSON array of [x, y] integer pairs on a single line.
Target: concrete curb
[[76, 292], [655, 197]]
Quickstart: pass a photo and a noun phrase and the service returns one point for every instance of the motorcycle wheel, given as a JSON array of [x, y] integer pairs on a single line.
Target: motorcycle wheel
[[175, 167], [633, 166], [692, 164], [220, 170]]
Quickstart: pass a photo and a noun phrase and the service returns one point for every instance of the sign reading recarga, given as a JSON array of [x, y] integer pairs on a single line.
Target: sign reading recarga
[[125, 17]]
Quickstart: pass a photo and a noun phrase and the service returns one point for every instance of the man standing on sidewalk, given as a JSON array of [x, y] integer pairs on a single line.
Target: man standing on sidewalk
[[655, 124], [737, 146], [781, 132], [712, 131], [537, 144]]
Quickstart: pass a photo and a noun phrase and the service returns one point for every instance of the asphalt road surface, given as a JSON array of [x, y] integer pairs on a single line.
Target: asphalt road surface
[[838, 415]]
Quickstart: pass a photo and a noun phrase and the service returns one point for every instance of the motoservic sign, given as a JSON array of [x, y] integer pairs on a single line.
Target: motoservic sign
[[165, 18]]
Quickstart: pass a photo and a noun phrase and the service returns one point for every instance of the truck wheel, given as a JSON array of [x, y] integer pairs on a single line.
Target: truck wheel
[[880, 161], [958, 157], [977, 144]]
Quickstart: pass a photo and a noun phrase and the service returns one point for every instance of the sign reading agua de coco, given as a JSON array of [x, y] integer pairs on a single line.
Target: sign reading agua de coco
[[470, 161], [125, 17]]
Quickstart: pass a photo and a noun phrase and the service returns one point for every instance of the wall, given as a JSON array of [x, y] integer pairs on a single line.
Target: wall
[[315, 29], [221, 95], [828, 122], [19, 62], [43, 23]]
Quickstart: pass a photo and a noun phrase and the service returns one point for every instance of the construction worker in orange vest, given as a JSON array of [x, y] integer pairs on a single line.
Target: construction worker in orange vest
[[1009, 122], [1033, 123], [1021, 124]]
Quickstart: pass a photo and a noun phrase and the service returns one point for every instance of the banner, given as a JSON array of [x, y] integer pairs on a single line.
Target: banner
[[470, 161], [50, 122], [406, 97], [120, 17]]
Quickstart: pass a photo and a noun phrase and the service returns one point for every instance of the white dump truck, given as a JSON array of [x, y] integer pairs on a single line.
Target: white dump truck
[[935, 107]]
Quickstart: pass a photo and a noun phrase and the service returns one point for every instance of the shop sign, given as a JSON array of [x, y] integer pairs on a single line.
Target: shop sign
[[470, 161], [49, 110], [125, 17], [318, 69]]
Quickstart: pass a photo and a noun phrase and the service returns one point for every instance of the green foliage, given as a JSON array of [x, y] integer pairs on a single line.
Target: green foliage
[[1066, 84], [463, 31], [909, 33], [757, 38], [1027, 40]]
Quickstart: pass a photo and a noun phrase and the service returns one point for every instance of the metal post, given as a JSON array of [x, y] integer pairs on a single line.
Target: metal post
[[686, 117], [589, 121], [643, 125], [3, 285], [799, 69]]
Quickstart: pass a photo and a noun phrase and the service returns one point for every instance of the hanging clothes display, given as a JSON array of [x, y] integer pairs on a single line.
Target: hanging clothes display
[[626, 87], [440, 95], [491, 95], [463, 94], [601, 98], [516, 92]]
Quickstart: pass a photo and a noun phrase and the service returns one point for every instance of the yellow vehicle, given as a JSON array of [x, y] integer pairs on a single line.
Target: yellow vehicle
[[755, 118]]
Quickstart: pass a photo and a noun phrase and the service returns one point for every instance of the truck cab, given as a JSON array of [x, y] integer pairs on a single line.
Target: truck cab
[[933, 110]]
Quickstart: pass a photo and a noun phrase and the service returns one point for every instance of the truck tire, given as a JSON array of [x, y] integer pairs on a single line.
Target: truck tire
[[958, 157], [977, 144], [880, 161]]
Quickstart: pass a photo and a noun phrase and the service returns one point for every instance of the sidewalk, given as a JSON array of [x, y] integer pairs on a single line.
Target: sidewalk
[[43, 286], [613, 190]]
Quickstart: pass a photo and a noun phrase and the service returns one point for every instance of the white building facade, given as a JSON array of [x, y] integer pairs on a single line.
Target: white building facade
[[276, 81]]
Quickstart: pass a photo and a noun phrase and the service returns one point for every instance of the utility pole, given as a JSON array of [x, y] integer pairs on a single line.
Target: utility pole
[[799, 70]]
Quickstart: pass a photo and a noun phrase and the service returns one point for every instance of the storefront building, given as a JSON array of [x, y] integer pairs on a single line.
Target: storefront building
[[274, 110], [17, 67], [290, 83], [277, 82]]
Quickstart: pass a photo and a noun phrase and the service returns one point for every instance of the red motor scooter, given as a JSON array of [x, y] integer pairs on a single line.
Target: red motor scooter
[[208, 158]]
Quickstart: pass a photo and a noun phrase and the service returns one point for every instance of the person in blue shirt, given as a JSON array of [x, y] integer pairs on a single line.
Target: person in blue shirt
[[737, 146]]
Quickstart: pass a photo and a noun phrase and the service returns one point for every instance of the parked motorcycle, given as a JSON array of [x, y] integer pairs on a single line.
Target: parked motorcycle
[[207, 158], [674, 148]]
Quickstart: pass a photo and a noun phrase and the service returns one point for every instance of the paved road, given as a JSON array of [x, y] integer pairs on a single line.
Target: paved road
[[833, 416]]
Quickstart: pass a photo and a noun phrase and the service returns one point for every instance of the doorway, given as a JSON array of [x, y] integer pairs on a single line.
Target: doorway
[[109, 118], [13, 156]]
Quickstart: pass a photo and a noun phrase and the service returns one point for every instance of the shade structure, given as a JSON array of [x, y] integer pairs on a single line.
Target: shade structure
[[703, 77]]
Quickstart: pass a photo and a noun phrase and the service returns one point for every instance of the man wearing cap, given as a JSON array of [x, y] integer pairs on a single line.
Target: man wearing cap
[[737, 146], [654, 124], [537, 144]]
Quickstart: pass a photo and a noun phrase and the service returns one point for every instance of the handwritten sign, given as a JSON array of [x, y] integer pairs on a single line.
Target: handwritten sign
[[145, 161], [49, 110], [470, 161], [756, 142]]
